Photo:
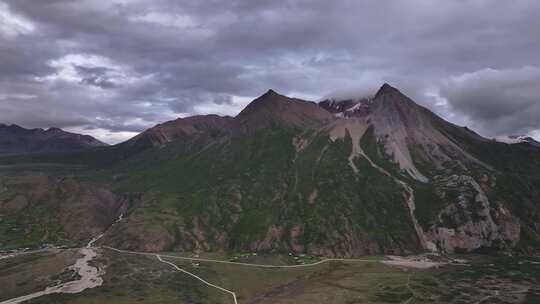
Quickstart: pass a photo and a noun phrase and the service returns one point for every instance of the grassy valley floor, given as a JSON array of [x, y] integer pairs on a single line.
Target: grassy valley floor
[[135, 278]]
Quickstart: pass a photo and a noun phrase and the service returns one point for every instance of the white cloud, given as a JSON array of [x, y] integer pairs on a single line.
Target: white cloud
[[20, 96], [231, 109], [104, 135], [535, 134], [66, 66], [166, 19], [12, 25], [72, 68]]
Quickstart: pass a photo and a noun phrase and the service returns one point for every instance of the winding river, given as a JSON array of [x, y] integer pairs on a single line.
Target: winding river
[[90, 276]]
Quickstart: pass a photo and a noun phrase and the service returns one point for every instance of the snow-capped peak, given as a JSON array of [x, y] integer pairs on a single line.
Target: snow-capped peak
[[517, 139]]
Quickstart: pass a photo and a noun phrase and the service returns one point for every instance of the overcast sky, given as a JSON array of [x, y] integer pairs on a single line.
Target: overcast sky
[[113, 68]]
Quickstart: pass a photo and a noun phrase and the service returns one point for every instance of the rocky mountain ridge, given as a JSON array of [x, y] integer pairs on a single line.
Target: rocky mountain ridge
[[518, 139], [16, 139], [406, 145], [288, 175]]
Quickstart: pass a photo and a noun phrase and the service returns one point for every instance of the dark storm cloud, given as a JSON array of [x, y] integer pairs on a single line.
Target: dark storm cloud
[[96, 76], [497, 101], [121, 66]]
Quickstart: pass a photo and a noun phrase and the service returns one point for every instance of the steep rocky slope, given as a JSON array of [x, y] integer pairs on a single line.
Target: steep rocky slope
[[36, 209], [16, 139], [465, 211], [391, 177], [347, 107]]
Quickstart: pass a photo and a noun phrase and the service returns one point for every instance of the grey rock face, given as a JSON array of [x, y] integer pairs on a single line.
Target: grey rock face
[[471, 221]]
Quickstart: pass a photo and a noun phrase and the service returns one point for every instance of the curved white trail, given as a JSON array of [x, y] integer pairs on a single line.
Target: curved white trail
[[426, 245], [19, 253], [243, 264], [199, 278], [356, 130], [159, 257]]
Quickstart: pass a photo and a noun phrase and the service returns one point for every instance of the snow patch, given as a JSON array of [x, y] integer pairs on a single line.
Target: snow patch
[[517, 139]]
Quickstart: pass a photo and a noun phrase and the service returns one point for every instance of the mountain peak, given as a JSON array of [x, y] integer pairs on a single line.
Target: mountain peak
[[54, 130], [270, 92], [389, 97], [518, 139], [387, 89], [271, 109], [271, 97]]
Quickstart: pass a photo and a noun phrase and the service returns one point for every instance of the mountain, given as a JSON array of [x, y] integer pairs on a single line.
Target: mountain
[[338, 179], [270, 109], [275, 110], [347, 107], [15, 139], [182, 129], [55, 210], [518, 139]]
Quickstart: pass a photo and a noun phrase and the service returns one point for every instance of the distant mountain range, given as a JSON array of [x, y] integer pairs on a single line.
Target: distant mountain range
[[16, 139], [518, 139], [338, 178]]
